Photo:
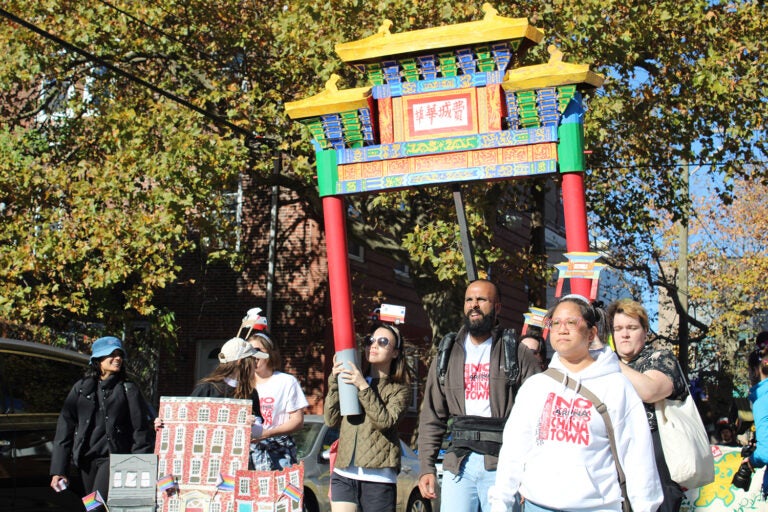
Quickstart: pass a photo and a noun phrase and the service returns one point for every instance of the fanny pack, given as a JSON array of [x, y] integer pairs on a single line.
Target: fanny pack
[[478, 434]]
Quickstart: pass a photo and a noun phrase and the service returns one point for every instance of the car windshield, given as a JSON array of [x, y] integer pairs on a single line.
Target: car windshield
[[306, 437]]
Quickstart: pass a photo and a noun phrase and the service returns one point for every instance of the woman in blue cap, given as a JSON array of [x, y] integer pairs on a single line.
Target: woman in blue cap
[[104, 413]]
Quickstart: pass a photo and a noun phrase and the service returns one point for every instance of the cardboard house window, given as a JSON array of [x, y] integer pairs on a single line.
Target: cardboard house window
[[245, 486], [223, 416], [214, 469], [198, 445], [238, 443], [194, 474], [217, 443], [204, 415], [179, 444]]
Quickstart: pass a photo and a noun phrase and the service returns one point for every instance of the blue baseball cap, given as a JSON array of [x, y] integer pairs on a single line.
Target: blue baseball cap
[[104, 346]]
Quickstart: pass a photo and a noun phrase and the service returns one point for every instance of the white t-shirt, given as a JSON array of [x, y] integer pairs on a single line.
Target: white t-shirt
[[279, 396], [477, 378]]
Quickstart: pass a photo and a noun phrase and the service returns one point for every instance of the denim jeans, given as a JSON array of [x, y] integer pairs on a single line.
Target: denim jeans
[[468, 491]]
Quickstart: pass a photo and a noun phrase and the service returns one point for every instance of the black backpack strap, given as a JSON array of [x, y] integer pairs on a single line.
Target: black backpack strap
[[511, 368], [603, 410], [443, 354]]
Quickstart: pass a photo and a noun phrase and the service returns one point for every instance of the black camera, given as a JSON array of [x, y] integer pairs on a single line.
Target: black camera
[[743, 477]]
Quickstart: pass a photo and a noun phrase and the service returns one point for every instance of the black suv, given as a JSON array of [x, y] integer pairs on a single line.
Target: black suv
[[34, 381]]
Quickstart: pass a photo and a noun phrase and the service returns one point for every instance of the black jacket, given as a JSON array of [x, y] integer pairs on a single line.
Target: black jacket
[[127, 418]]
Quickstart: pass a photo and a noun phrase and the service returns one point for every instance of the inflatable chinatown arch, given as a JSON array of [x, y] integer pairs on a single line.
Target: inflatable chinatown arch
[[444, 105]]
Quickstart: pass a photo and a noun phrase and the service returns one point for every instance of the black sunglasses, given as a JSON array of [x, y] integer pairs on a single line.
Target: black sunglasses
[[383, 341]]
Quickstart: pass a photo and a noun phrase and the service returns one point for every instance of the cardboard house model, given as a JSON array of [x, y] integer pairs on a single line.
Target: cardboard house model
[[204, 447], [132, 482]]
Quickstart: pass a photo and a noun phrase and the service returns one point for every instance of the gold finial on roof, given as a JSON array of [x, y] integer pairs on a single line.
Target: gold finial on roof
[[330, 85], [489, 11], [555, 55], [384, 28]]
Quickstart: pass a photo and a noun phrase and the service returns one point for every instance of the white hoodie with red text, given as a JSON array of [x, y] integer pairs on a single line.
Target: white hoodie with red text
[[556, 451]]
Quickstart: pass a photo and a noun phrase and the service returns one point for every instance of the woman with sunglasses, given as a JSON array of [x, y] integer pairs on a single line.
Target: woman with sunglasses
[[282, 404], [368, 458], [556, 451]]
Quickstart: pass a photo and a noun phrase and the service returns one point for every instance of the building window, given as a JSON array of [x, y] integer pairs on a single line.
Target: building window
[[204, 415], [183, 412], [402, 271], [173, 505], [223, 416], [355, 251], [117, 479], [146, 481], [177, 465], [168, 412], [242, 415]]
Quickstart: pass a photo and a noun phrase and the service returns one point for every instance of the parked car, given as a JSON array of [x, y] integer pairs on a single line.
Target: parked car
[[34, 380], [313, 443]]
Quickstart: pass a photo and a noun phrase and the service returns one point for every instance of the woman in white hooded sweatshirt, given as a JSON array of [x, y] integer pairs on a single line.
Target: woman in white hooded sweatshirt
[[556, 452]]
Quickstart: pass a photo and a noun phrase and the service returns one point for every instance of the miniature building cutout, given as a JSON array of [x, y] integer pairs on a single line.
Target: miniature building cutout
[[580, 265], [132, 482], [204, 447]]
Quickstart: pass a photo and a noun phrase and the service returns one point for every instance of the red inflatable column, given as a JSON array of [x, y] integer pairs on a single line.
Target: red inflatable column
[[570, 154], [341, 296], [576, 234]]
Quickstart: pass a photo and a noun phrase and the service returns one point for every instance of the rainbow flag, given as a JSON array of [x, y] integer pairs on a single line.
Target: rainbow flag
[[292, 492], [167, 483], [93, 501], [226, 482]]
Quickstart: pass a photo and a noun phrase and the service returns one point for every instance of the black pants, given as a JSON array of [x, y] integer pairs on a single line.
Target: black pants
[[368, 496], [95, 474], [673, 494]]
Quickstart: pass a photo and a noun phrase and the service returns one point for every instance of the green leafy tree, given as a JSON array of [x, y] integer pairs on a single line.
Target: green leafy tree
[[98, 204]]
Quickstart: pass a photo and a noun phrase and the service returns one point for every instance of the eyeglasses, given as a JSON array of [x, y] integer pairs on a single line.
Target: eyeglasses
[[556, 323], [383, 341]]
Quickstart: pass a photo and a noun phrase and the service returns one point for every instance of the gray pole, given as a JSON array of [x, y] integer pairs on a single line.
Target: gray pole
[[273, 237], [466, 238]]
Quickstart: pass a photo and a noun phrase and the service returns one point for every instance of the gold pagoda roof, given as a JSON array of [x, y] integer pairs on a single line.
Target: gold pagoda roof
[[329, 101], [491, 28], [552, 74]]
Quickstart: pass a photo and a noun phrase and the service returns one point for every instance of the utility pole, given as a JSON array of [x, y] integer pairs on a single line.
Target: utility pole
[[682, 282]]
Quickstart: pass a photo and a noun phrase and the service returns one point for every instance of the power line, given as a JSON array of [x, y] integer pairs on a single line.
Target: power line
[[155, 29], [249, 136]]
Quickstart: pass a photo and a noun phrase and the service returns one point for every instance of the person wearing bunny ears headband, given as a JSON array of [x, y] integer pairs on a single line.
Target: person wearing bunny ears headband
[[281, 400]]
